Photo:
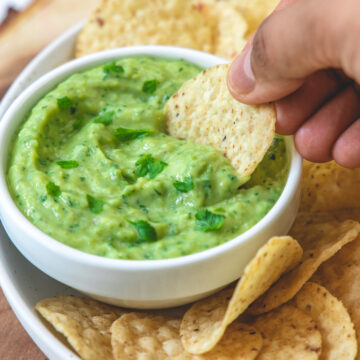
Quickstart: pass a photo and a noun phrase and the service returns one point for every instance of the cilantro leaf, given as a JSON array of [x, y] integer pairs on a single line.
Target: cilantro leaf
[[145, 231], [208, 221], [52, 189], [95, 205], [124, 134], [232, 177], [105, 118], [185, 186], [149, 87], [77, 123], [64, 103], [113, 68], [148, 165], [142, 165], [70, 164], [155, 168]]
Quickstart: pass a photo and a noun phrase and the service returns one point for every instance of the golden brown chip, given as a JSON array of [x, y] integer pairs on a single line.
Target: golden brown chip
[[85, 323], [306, 218], [146, 22], [207, 26], [341, 276], [137, 336], [204, 112], [205, 322], [329, 186], [333, 321], [319, 242], [289, 334]]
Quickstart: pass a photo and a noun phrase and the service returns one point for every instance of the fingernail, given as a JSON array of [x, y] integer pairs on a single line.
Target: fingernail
[[241, 76]]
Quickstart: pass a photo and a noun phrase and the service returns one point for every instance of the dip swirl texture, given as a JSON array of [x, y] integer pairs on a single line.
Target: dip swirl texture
[[92, 167]]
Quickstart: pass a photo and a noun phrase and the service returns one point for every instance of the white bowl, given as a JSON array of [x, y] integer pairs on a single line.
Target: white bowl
[[147, 283]]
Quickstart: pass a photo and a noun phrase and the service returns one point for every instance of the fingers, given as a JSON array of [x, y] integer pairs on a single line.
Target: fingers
[[293, 43], [346, 150], [295, 109], [316, 138]]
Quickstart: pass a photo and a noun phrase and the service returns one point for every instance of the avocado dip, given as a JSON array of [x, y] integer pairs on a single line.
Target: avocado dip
[[92, 167]]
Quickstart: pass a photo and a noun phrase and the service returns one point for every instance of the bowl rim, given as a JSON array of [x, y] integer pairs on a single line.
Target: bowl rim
[[86, 62]]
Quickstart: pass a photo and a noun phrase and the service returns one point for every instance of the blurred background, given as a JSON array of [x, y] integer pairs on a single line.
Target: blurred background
[[27, 26], [11, 7]]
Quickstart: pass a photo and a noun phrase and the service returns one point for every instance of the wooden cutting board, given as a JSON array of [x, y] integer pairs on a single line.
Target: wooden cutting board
[[21, 38]]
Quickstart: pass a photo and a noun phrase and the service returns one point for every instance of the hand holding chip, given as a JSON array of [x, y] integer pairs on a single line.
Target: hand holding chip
[[299, 58]]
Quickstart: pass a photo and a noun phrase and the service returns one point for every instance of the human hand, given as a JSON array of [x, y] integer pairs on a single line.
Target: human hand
[[306, 57]]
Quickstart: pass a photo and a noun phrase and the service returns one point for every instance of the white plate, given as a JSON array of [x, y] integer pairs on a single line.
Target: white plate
[[22, 283]]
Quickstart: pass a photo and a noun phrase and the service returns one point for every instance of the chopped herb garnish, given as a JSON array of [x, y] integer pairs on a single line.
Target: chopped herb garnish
[[77, 123], [232, 177], [52, 189], [125, 199], [129, 176], [208, 221], [143, 208], [95, 205], [185, 186], [64, 103], [155, 168], [149, 87], [165, 98], [148, 165], [106, 118], [113, 68], [124, 134], [142, 165], [70, 164], [145, 231]]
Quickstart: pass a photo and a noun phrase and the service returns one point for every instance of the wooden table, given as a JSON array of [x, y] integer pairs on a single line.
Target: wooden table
[[21, 38]]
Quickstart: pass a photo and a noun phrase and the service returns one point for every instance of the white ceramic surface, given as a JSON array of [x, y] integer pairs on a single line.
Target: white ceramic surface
[[24, 285], [140, 284]]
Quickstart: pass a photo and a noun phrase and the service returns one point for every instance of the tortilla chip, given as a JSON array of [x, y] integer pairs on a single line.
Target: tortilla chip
[[230, 30], [211, 27], [288, 333], [137, 336], [205, 322], [204, 112], [329, 186], [319, 242], [341, 276], [333, 321], [85, 323], [146, 22], [255, 12], [306, 218]]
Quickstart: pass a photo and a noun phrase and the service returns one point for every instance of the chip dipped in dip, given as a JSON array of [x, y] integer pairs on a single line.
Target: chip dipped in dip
[[92, 167]]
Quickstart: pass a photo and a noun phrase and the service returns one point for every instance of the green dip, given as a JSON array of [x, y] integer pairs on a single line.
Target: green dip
[[92, 167]]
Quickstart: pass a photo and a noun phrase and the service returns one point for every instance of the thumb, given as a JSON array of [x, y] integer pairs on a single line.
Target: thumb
[[294, 42]]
